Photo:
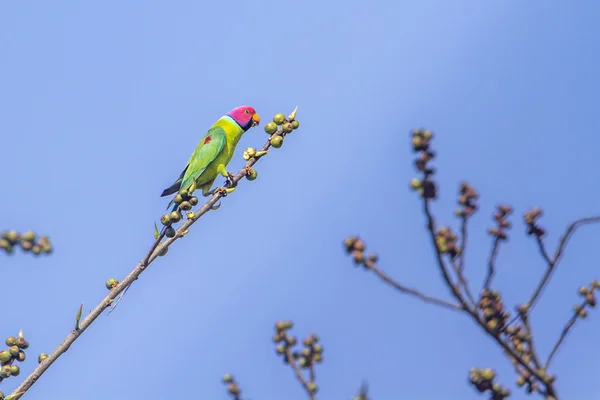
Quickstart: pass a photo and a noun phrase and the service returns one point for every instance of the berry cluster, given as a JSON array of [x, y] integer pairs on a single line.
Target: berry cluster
[[493, 311], [587, 292], [445, 240], [502, 224], [421, 139], [483, 380], [15, 352], [28, 242], [467, 198], [311, 353], [185, 201], [356, 248], [531, 217], [232, 387], [280, 127]]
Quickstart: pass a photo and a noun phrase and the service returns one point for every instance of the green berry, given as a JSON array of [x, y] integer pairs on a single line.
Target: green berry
[[163, 252], [194, 201], [185, 206], [227, 378], [252, 175], [5, 356], [277, 141], [175, 217], [279, 118], [21, 357], [15, 370], [178, 199], [28, 236], [14, 351], [42, 357], [287, 127], [295, 124], [5, 371], [166, 219], [11, 341], [111, 283], [271, 128], [184, 193], [22, 343]]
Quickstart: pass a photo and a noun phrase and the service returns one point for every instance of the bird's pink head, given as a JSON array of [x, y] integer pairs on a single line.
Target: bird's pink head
[[245, 116]]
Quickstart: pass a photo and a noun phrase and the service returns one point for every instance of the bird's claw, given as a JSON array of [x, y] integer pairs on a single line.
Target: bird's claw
[[229, 178]]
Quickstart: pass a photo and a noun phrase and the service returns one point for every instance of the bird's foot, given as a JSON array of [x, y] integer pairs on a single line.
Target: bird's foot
[[223, 191], [230, 182]]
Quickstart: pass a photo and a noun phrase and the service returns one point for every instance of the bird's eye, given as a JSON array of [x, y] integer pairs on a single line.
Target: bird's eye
[[247, 111]]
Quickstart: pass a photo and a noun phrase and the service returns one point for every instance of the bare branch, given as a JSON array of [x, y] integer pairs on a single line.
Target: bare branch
[[579, 312], [560, 249], [492, 263]]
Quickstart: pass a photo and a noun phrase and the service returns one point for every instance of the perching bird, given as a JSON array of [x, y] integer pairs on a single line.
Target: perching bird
[[214, 152], [211, 156]]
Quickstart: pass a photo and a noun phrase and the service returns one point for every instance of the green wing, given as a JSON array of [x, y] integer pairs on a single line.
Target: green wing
[[208, 149]]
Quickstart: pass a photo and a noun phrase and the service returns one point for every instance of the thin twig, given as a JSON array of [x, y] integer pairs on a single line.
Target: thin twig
[[528, 331], [568, 326], [406, 290], [464, 236], [298, 373], [463, 282], [153, 254], [492, 263], [440, 260]]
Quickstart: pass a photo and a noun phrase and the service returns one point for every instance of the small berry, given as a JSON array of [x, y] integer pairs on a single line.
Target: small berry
[[295, 124], [252, 175], [271, 128], [287, 127], [175, 217], [169, 232], [279, 118], [111, 283], [276, 141]]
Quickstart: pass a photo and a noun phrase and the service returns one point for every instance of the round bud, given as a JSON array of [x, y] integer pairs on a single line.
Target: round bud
[[42, 357]]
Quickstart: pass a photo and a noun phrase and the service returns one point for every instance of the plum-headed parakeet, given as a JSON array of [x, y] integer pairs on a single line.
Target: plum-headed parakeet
[[215, 150], [211, 156]]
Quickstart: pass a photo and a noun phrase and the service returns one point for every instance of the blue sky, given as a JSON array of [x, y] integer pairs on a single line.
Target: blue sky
[[102, 103]]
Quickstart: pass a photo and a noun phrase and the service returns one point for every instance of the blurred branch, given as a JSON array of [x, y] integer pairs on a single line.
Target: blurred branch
[[29, 242], [356, 247], [158, 249], [534, 229]]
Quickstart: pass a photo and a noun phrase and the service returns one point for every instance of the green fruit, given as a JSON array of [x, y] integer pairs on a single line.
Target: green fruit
[[11, 341], [5, 356], [166, 219], [295, 124], [42, 357], [252, 175], [14, 351], [15, 370], [111, 283], [279, 118], [277, 141], [163, 252], [185, 206], [28, 236], [22, 343], [175, 217], [194, 201], [169, 232], [287, 127], [227, 378], [5, 372], [178, 199], [184, 193], [21, 357], [271, 128]]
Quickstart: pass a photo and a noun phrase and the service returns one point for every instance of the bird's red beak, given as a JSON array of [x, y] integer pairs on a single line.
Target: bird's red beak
[[255, 120]]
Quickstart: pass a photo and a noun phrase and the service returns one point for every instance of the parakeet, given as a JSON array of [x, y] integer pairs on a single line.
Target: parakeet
[[213, 153], [211, 156]]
